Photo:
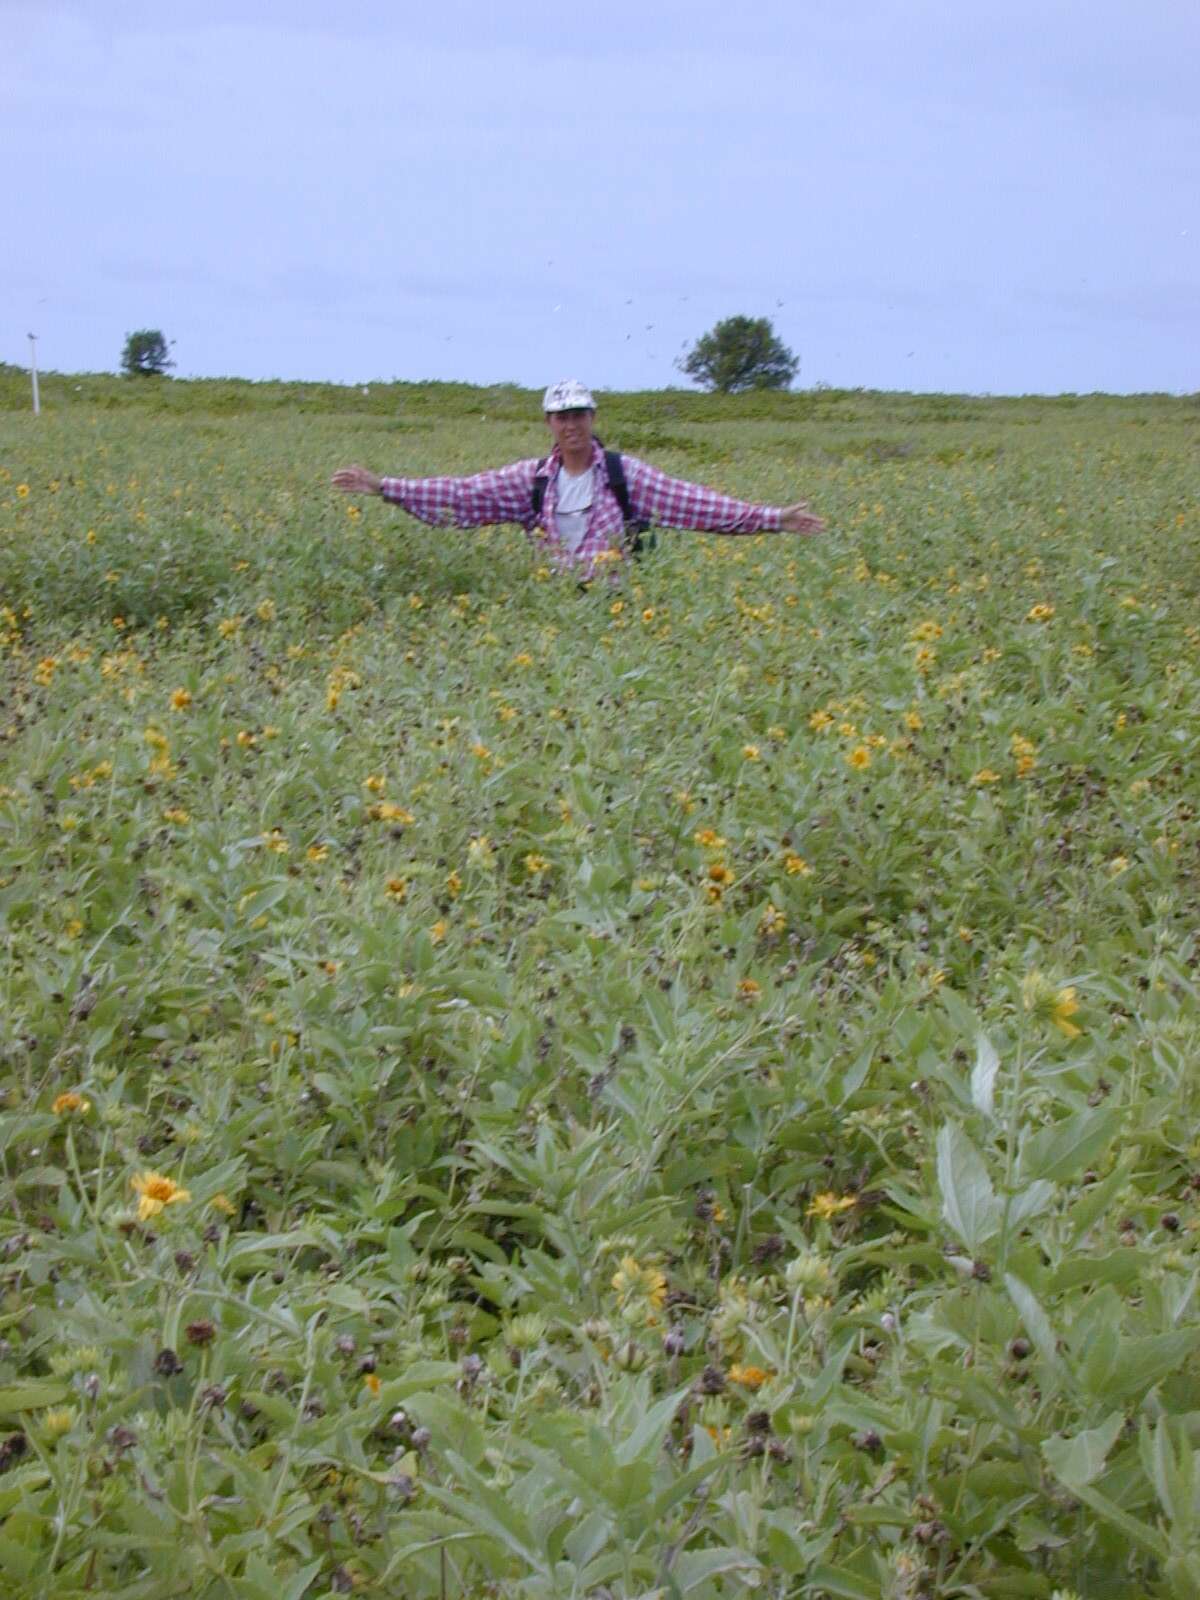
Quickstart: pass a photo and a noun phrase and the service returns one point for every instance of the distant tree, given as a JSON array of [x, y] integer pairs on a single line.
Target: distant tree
[[145, 354], [741, 353]]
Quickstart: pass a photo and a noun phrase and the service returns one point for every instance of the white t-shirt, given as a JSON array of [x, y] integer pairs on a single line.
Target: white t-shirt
[[573, 504]]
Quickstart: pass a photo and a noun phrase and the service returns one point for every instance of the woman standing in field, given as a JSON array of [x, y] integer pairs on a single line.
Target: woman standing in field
[[582, 504]]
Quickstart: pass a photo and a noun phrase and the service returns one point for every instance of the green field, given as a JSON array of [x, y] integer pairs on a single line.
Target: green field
[[680, 1089]]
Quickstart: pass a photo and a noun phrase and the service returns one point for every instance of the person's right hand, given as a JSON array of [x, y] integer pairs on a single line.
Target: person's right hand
[[356, 480], [799, 519]]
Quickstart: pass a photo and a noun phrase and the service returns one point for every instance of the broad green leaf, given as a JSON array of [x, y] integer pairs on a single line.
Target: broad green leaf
[[31, 1395], [1037, 1324], [969, 1202], [1080, 1459], [983, 1075], [1065, 1148]]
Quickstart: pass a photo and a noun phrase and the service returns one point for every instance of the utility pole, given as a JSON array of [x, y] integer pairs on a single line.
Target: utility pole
[[37, 405]]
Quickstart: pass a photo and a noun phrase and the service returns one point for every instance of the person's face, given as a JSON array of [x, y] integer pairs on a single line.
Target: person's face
[[572, 430]]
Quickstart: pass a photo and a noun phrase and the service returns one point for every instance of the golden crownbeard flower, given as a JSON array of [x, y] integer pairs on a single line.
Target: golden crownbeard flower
[[985, 775], [638, 1285], [1039, 613], [751, 752], [386, 811], [480, 852], [535, 865], [720, 873], [818, 720], [748, 1377], [924, 632], [913, 721], [859, 758], [66, 1104], [181, 700], [828, 1205], [796, 867], [156, 1191], [397, 888], [1048, 1003]]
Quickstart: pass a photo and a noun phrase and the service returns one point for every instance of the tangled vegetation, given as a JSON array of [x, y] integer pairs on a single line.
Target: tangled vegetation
[[678, 1089]]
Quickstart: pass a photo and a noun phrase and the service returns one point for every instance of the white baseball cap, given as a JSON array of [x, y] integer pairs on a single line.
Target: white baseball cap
[[569, 395]]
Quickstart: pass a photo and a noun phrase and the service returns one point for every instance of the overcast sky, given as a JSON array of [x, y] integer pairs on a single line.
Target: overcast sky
[[1000, 196]]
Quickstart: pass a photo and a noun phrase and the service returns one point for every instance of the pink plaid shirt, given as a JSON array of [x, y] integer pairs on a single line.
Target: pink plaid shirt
[[505, 494]]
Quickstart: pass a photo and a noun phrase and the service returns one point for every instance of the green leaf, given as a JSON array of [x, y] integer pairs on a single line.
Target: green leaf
[[969, 1202], [1065, 1148], [695, 1567], [31, 1395], [1079, 1460], [1037, 1324], [983, 1076]]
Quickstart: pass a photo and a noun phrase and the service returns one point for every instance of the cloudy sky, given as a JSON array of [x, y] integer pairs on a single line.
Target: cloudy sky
[[1000, 196]]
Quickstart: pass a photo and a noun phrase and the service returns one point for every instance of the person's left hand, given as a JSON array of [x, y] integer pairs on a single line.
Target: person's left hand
[[799, 519]]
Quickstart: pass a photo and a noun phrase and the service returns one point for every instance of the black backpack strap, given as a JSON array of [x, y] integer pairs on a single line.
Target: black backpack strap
[[636, 528], [539, 487]]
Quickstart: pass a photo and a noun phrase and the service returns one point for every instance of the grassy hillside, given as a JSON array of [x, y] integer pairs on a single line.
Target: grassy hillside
[[676, 1089]]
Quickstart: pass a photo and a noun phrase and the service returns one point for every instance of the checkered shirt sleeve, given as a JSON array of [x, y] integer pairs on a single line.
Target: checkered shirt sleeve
[[674, 503], [502, 494]]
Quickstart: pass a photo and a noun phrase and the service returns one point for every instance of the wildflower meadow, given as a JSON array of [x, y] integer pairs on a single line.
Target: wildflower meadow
[[685, 1088]]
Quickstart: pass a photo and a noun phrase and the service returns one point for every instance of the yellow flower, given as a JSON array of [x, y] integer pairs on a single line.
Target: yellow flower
[[617, 607], [223, 1204], [709, 838], [1065, 1007], [751, 752], [635, 1283], [245, 739], [453, 884], [275, 842], [181, 700], [748, 989], [1117, 865], [397, 888], [986, 775], [748, 1377], [719, 873], [438, 932], [648, 614], [925, 657], [375, 782], [796, 867], [1050, 1004], [925, 632], [22, 491], [229, 626], [1039, 613], [535, 865], [913, 721], [847, 729], [385, 811], [819, 720], [859, 758], [156, 1191], [67, 1103], [523, 659], [265, 611], [827, 1205], [480, 852], [372, 1383], [316, 852], [772, 922]]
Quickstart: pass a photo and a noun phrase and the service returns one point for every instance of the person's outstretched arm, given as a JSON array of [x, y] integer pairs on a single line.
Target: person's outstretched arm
[[675, 503], [502, 494]]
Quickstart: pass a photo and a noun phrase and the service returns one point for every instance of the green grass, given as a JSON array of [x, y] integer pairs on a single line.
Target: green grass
[[679, 1089]]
